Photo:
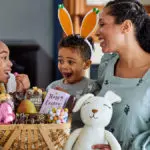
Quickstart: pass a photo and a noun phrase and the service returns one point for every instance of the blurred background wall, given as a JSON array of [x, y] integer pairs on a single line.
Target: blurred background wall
[[27, 21]]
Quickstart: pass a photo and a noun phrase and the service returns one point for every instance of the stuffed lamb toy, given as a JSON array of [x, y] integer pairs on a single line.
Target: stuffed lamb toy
[[96, 113]]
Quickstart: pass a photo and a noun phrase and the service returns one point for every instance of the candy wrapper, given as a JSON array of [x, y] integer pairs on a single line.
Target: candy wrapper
[[35, 95], [7, 98], [6, 113], [58, 115], [30, 118]]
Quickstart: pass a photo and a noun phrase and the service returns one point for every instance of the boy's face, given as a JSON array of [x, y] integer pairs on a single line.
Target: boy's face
[[71, 65], [5, 64]]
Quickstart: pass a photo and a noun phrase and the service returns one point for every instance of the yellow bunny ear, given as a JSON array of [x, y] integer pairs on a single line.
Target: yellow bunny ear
[[89, 22], [65, 20]]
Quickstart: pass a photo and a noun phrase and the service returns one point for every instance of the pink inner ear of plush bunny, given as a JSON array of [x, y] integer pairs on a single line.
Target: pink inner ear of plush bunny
[[6, 113]]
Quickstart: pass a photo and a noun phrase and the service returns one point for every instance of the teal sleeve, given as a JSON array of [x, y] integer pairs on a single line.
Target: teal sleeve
[[142, 141], [95, 88], [102, 67]]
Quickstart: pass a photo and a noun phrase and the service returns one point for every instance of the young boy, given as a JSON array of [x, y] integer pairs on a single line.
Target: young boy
[[74, 57], [21, 81]]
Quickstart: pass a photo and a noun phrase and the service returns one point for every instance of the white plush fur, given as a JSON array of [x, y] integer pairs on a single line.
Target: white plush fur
[[96, 113]]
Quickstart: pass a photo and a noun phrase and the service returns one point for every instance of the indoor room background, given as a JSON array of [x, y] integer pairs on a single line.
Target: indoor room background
[[31, 30]]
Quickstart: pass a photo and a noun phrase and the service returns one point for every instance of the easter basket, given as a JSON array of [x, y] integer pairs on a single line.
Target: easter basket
[[36, 131], [34, 136]]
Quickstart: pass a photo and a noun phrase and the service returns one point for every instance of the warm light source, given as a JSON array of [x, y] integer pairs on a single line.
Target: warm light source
[[96, 2]]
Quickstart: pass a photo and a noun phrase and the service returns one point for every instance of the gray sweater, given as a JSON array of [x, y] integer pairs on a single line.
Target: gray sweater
[[78, 89]]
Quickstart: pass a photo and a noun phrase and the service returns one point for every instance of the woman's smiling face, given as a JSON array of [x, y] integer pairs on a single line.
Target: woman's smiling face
[[71, 65], [109, 33]]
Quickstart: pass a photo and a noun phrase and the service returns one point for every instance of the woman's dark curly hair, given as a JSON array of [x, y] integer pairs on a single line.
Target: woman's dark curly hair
[[132, 10], [78, 43]]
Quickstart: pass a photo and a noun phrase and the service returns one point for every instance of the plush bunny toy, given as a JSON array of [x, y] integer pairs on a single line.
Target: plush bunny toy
[[96, 113]]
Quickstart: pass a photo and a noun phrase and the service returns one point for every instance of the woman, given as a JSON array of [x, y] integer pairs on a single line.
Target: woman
[[124, 31]]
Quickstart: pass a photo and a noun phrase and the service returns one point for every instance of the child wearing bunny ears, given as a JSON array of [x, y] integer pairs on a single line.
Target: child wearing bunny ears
[[74, 54], [74, 57]]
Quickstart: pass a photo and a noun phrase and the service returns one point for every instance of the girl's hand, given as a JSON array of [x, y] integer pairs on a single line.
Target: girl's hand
[[101, 147], [22, 82]]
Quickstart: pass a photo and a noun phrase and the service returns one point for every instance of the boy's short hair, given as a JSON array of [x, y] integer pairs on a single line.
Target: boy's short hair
[[78, 43]]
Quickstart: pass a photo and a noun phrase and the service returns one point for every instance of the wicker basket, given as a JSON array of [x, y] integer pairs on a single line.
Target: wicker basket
[[34, 136]]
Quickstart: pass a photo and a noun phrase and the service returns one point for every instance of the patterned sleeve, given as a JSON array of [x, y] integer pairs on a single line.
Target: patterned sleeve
[[142, 141], [102, 67], [94, 87]]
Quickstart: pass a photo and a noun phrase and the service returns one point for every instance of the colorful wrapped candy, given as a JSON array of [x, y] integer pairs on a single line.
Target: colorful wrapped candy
[[6, 113], [58, 115], [30, 118], [35, 95], [6, 106], [7, 98]]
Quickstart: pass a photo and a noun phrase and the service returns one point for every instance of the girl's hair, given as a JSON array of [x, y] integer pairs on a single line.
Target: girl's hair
[[78, 43], [132, 10]]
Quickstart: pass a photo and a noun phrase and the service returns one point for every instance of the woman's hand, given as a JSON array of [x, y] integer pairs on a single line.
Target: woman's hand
[[23, 82], [101, 147]]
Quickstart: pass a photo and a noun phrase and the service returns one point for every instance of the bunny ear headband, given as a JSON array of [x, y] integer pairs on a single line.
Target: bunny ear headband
[[88, 25]]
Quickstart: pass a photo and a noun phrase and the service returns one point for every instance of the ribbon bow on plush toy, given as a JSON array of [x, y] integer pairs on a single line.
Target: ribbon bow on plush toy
[[88, 24]]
